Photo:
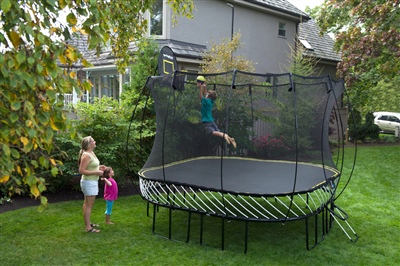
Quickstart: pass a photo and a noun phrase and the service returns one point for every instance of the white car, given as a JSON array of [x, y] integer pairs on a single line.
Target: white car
[[387, 121]]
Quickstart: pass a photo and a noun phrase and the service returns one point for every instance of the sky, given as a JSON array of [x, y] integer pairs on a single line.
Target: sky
[[301, 4]]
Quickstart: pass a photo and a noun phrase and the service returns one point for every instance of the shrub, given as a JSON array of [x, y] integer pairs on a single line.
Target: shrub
[[365, 131], [269, 147]]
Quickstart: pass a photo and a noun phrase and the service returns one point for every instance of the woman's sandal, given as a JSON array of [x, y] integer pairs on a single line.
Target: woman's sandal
[[94, 225], [92, 230]]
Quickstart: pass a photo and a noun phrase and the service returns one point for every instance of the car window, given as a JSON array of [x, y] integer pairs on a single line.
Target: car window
[[394, 119], [384, 117]]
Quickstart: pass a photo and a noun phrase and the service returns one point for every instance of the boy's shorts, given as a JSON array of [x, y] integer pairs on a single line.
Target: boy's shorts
[[210, 127]]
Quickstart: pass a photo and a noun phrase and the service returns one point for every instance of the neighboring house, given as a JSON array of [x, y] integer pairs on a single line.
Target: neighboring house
[[268, 28]]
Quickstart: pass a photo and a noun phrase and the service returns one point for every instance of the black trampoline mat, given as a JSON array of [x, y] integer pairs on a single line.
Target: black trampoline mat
[[243, 175]]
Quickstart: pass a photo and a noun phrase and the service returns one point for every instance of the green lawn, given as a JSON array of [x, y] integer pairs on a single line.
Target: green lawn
[[56, 236]]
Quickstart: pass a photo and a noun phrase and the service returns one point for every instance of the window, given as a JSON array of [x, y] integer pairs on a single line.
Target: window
[[156, 19], [282, 30], [306, 44], [394, 119], [104, 85]]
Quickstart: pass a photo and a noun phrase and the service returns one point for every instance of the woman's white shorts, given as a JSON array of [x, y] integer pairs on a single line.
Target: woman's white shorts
[[90, 187]]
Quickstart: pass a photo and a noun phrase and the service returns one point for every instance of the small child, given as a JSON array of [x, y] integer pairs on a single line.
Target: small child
[[110, 192]]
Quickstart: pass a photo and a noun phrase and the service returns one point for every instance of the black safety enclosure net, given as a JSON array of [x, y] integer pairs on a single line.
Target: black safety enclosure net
[[281, 167]]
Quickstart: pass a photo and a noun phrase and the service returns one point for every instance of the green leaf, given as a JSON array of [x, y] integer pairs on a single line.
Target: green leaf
[[41, 38], [54, 171], [43, 162], [34, 163], [43, 119], [5, 5], [31, 180], [31, 82], [15, 106], [4, 71], [49, 135], [20, 57], [6, 150], [71, 19], [31, 133], [51, 94], [31, 61], [15, 153], [13, 117]]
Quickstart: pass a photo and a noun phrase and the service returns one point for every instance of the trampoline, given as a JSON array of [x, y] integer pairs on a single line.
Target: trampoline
[[282, 168], [244, 176]]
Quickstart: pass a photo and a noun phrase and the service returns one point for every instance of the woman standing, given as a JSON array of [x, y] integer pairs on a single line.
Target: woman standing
[[90, 169]]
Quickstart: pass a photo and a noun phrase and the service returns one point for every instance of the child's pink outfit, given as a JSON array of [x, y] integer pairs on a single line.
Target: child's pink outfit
[[110, 194]]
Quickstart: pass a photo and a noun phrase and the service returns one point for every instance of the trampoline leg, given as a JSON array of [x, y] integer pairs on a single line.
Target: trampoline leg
[[307, 240], [316, 239], [316, 228], [154, 217], [148, 206], [188, 232], [170, 223], [246, 234], [223, 234], [201, 228]]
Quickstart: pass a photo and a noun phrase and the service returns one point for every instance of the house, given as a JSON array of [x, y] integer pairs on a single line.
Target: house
[[269, 29]]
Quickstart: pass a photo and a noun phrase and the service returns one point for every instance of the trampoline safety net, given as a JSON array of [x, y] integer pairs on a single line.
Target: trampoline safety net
[[281, 168]]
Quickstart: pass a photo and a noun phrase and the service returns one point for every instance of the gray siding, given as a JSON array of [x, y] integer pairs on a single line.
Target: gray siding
[[212, 23]]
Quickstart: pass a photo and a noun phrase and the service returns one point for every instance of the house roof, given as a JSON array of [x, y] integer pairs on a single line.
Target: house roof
[[321, 47], [186, 50], [283, 6]]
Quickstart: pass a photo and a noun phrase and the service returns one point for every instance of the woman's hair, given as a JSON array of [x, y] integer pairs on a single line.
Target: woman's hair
[[106, 172], [212, 94], [84, 146]]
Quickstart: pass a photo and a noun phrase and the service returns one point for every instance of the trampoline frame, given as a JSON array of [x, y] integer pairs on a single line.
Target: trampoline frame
[[314, 203]]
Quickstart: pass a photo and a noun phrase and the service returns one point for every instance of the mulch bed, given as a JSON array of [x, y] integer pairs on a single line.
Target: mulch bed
[[18, 202]]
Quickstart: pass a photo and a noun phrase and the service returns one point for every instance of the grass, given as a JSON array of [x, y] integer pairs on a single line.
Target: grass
[[56, 236]]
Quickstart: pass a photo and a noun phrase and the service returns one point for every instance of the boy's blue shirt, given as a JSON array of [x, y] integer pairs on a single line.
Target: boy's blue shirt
[[206, 110]]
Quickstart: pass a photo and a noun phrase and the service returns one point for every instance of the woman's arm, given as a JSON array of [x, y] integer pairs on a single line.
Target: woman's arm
[[85, 160]]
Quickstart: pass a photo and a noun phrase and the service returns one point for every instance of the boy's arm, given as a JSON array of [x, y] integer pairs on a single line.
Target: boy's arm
[[200, 92]]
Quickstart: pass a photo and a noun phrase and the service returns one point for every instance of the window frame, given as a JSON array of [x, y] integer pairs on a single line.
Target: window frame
[[282, 29], [147, 16]]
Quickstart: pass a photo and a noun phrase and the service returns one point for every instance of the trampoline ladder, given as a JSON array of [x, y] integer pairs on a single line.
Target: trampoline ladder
[[341, 218]]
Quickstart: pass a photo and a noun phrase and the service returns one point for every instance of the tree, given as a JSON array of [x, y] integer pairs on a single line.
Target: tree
[[221, 57], [37, 69], [367, 34], [298, 63]]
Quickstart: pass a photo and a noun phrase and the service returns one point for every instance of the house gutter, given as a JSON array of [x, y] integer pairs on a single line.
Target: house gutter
[[104, 67], [272, 10]]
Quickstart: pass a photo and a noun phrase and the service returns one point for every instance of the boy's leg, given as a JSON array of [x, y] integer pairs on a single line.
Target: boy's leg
[[222, 135], [233, 142]]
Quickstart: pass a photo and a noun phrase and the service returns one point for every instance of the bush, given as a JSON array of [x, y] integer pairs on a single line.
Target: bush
[[365, 131], [268, 147]]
